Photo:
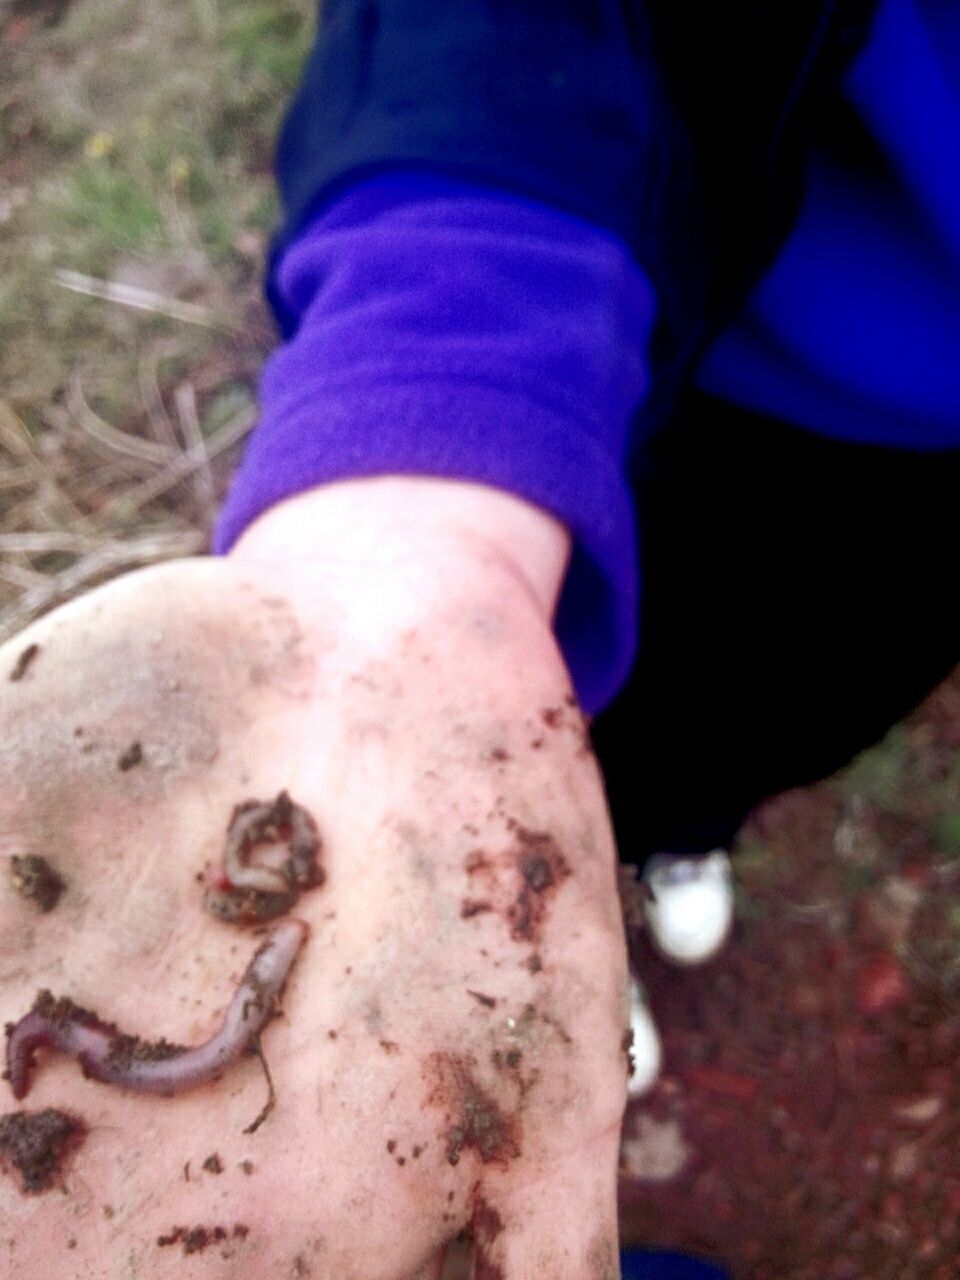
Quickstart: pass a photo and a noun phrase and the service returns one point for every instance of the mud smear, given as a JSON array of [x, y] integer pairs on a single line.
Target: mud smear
[[473, 1119], [510, 1059], [530, 873], [181, 672], [24, 662], [34, 879], [569, 716], [477, 863], [486, 1226], [542, 869], [509, 1063], [35, 1146]]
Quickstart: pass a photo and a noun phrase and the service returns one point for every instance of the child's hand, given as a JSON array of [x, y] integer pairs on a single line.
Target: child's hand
[[448, 1054]]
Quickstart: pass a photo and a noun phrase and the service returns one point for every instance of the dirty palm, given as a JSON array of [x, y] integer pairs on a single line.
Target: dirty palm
[[410, 1019]]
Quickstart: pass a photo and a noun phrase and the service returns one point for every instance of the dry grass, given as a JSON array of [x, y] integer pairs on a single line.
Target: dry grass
[[136, 198]]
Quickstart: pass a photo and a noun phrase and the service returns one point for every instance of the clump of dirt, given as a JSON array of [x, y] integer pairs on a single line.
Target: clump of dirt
[[59, 1010], [125, 1050], [474, 1120], [196, 1239], [131, 757], [36, 880], [36, 1145]]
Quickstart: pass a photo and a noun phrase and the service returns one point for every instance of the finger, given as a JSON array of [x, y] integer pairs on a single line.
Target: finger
[[562, 1225]]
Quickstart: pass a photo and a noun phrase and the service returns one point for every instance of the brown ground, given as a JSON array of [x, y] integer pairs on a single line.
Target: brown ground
[[806, 1126]]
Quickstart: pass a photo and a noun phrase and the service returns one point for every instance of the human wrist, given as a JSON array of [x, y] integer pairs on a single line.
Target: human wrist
[[467, 533]]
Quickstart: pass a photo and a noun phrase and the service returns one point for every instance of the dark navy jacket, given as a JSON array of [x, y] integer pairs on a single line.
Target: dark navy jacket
[[681, 127]]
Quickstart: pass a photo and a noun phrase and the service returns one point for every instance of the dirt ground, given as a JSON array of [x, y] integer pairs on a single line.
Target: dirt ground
[[806, 1125]]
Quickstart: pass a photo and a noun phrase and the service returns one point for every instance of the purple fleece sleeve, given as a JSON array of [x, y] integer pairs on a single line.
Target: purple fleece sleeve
[[457, 331]]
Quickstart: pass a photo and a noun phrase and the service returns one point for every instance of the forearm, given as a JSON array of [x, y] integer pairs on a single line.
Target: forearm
[[460, 334]]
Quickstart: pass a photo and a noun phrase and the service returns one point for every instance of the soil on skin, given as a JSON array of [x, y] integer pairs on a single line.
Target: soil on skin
[[35, 1145], [24, 663], [807, 1122], [196, 1239], [472, 1119], [34, 878]]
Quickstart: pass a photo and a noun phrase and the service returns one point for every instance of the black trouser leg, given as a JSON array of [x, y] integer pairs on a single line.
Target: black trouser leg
[[798, 599]]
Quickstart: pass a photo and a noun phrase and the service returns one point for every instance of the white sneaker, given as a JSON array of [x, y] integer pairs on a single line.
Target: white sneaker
[[645, 1051], [689, 907]]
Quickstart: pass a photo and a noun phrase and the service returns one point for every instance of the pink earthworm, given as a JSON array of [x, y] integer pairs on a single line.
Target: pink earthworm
[[246, 892], [282, 819], [108, 1055], [246, 830]]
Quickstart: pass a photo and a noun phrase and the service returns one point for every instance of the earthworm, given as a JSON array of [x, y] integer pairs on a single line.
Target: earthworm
[[246, 829], [108, 1055], [245, 892]]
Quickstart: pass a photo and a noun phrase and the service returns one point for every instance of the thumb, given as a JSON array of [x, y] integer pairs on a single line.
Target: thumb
[[562, 1225]]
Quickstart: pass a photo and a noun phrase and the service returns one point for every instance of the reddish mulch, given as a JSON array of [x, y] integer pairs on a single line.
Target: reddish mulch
[[809, 1101]]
